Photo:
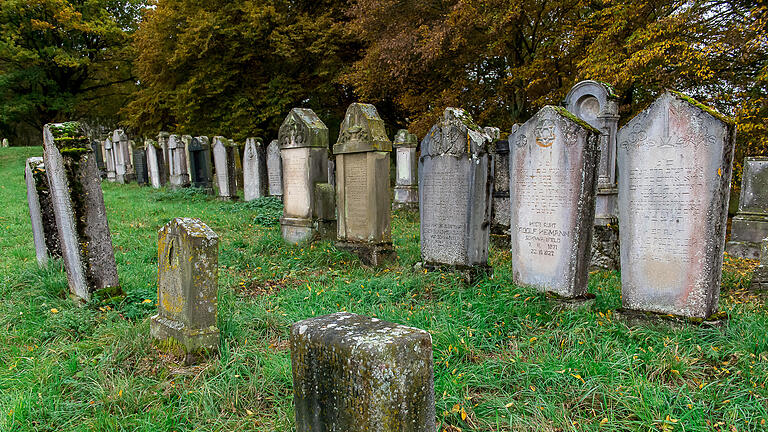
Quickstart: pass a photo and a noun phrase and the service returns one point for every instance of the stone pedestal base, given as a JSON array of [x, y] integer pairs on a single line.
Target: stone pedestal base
[[229, 199], [370, 254], [576, 303], [743, 249], [406, 197], [183, 340], [296, 231], [635, 318], [606, 252], [760, 278], [747, 231], [471, 274]]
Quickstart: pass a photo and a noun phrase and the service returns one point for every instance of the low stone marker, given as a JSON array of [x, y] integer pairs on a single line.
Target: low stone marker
[[352, 373], [224, 162], [109, 160], [44, 232], [201, 174], [675, 158], [140, 166], [255, 179], [81, 218], [553, 166], [760, 275], [362, 186], [156, 168], [750, 225], [309, 201], [187, 288], [455, 186], [597, 104], [177, 163], [406, 171], [274, 169]]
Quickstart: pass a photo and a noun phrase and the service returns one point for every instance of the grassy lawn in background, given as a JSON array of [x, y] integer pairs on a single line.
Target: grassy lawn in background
[[507, 358]]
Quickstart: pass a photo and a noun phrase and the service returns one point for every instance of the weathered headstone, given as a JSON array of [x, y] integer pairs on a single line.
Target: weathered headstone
[[187, 279], [162, 141], [224, 160], [110, 155], [500, 218], [140, 165], [44, 232], [201, 176], [455, 185], [760, 275], [597, 104], [308, 200], [123, 165], [99, 155], [274, 169], [81, 218], [750, 225], [255, 179], [553, 166], [239, 156], [407, 170], [332, 171], [177, 163], [187, 140], [156, 167], [675, 158], [493, 132], [362, 186], [352, 373], [6, 144]]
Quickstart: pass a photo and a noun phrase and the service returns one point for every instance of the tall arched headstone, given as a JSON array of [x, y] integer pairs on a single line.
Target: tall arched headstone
[[275, 169], [406, 170], [177, 163], [255, 179], [224, 162]]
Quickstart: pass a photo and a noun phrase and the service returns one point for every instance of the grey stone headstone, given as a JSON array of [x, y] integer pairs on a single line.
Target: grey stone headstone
[[406, 170], [110, 154], [123, 153], [81, 217], [162, 141], [44, 232], [675, 158], [750, 225], [140, 166], [455, 184], [188, 267], [156, 168], [352, 373], [500, 225], [96, 147], [493, 132], [303, 142], [255, 179], [201, 174], [177, 162], [224, 161], [760, 275], [362, 185], [553, 167], [274, 169]]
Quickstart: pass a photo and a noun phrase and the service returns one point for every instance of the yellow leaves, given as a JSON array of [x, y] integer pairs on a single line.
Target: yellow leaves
[[41, 25], [604, 421], [54, 311], [147, 301], [578, 377]]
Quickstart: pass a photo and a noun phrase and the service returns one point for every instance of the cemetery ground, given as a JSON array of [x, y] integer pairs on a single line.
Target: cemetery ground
[[507, 358]]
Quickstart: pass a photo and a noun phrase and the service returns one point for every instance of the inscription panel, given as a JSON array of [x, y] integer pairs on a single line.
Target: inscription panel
[[444, 196], [296, 187], [356, 195]]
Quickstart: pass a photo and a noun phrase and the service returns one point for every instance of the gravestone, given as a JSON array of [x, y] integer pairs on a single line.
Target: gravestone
[[187, 140], [140, 166], [162, 140], [44, 232], [81, 218], [224, 160], [239, 155], [675, 158], [406, 171], [177, 163], [362, 186], [493, 132], [6, 144], [199, 150], [274, 169], [760, 275], [123, 165], [352, 373], [500, 219], [455, 185], [553, 161], [332, 171], [99, 155], [156, 168], [750, 225], [308, 200], [109, 160], [187, 287], [255, 179], [597, 104]]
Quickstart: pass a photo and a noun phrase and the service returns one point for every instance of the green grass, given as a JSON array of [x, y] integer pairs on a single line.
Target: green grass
[[507, 356]]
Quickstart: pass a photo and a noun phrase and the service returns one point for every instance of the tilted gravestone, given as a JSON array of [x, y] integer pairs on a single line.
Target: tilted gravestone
[[162, 141], [44, 232], [406, 171], [362, 186], [455, 185], [675, 158], [109, 160], [760, 275], [140, 166], [224, 161], [255, 179], [187, 287], [553, 166], [750, 225], [177, 163], [597, 104], [274, 169], [201, 174], [308, 200], [352, 373], [156, 168], [81, 218]]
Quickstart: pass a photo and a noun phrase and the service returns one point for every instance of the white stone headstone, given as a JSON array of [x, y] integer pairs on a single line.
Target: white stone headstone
[[255, 181]]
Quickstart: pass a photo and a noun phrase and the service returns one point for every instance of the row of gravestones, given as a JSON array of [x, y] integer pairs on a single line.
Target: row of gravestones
[[185, 161]]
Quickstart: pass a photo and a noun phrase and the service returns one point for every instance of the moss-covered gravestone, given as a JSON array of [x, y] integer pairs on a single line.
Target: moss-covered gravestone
[[224, 162], [187, 285], [309, 201], [352, 373], [362, 185], [254, 169], [406, 171], [81, 218], [44, 232]]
